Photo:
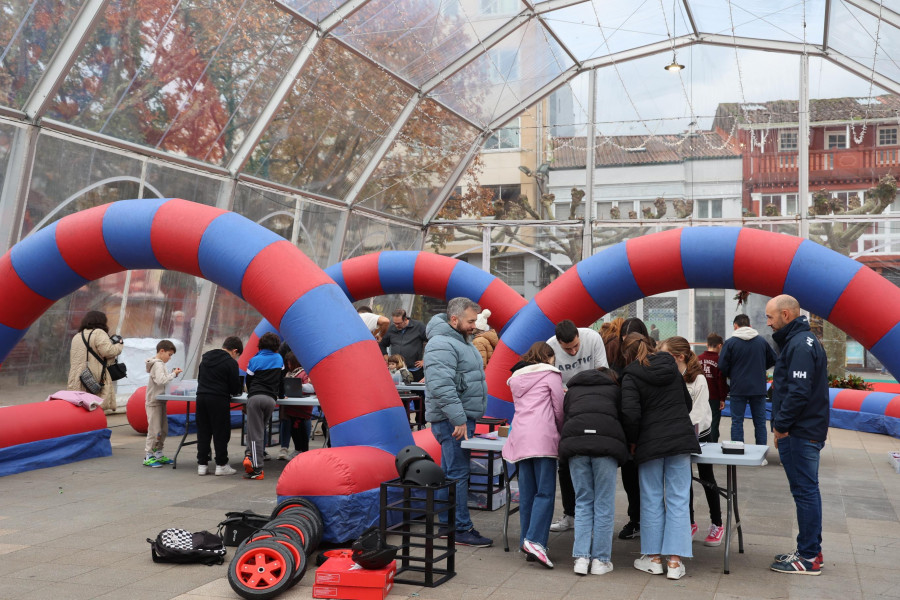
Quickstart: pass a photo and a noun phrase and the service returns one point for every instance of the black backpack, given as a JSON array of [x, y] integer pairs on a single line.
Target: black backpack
[[238, 526], [180, 546]]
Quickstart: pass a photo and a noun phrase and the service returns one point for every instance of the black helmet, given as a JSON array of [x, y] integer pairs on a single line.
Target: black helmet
[[424, 472], [370, 551], [407, 455]]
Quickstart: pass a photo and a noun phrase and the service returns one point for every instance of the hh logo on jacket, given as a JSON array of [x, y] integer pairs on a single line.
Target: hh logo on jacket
[[799, 374]]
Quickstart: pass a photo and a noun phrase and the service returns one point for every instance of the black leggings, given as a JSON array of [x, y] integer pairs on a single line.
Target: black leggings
[[712, 495]]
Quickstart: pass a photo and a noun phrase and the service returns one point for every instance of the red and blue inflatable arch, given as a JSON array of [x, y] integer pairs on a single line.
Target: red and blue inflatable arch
[[823, 281]]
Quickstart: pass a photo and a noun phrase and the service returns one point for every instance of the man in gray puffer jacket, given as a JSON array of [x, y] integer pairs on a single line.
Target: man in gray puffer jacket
[[455, 395]]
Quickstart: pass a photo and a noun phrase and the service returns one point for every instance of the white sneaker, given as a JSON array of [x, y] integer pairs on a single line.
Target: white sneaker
[[648, 565], [675, 572], [565, 523], [283, 453], [581, 565], [224, 470], [764, 462], [599, 567], [202, 469]]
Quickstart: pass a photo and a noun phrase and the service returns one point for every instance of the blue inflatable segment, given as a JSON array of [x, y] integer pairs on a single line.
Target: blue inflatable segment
[[500, 408], [337, 273], [530, 325], [126, 231], [886, 349], [876, 402], [9, 337], [228, 246], [608, 279], [265, 327], [322, 337], [39, 263], [54, 452], [819, 276], [377, 429], [707, 256], [396, 271], [466, 280]]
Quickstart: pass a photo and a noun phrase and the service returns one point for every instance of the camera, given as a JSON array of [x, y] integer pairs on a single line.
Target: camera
[[116, 339]]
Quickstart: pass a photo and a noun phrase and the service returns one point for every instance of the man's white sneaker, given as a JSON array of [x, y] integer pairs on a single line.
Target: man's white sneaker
[[283, 453], [225, 470], [565, 523], [599, 567], [202, 469], [582, 565]]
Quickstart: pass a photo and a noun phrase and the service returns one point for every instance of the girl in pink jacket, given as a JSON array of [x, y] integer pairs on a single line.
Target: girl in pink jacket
[[533, 444]]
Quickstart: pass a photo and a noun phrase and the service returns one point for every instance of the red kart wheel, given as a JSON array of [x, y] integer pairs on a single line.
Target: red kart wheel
[[261, 570]]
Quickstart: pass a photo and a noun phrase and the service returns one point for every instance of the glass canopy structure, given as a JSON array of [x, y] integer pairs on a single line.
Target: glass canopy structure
[[347, 126]]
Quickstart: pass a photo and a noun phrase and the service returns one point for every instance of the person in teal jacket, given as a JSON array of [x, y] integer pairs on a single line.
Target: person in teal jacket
[[455, 395]]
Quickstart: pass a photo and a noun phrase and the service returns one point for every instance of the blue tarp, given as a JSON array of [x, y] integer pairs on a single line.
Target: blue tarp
[[55, 451], [176, 423]]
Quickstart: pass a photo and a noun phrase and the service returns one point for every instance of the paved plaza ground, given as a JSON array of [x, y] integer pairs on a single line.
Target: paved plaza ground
[[79, 531]]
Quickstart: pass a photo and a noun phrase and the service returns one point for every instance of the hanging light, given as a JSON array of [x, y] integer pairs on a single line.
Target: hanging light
[[674, 67]]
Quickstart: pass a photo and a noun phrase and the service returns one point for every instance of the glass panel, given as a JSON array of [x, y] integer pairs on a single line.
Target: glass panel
[[767, 19], [330, 125], [229, 316], [188, 77], [858, 35], [418, 38], [163, 181], [68, 177], [366, 235], [412, 173], [30, 31], [7, 136], [507, 74], [314, 10]]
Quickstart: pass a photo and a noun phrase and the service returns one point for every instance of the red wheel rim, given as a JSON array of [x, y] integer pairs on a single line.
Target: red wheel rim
[[292, 549], [260, 568]]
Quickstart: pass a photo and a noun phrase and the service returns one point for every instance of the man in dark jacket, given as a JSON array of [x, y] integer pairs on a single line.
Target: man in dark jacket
[[407, 338], [800, 412], [744, 359], [219, 379]]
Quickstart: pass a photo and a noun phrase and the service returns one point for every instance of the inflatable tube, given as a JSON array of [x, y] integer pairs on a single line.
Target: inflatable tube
[[55, 451], [862, 410], [27, 423], [823, 281]]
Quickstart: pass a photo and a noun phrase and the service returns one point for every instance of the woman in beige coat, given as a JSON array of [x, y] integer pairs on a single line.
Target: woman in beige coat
[[485, 338], [95, 330]]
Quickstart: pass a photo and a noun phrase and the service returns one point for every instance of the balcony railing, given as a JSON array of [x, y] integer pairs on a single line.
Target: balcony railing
[[856, 159]]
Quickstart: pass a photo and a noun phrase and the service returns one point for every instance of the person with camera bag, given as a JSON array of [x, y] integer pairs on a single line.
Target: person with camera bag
[[91, 353]]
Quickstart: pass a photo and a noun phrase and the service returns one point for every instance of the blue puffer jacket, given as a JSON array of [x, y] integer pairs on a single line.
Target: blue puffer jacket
[[455, 389], [800, 384]]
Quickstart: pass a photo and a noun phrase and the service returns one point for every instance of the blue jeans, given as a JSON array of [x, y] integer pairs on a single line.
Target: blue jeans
[[537, 496], [738, 406], [665, 493], [455, 463], [800, 459], [594, 478]]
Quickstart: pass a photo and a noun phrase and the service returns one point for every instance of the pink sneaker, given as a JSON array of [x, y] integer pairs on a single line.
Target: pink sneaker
[[714, 537], [694, 529], [539, 552]]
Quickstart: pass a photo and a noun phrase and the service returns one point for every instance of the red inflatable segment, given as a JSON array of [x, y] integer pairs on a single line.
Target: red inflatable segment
[[19, 305], [362, 277], [180, 250], [432, 273], [865, 286], [849, 400], [376, 389], [655, 262], [136, 409], [424, 439], [762, 260], [893, 408], [250, 349], [273, 290], [567, 298], [336, 471], [79, 237], [503, 301], [498, 372], [45, 420]]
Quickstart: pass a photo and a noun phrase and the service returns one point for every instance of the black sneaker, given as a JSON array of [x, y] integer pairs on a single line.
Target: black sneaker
[[630, 531], [255, 474], [442, 532], [472, 538]]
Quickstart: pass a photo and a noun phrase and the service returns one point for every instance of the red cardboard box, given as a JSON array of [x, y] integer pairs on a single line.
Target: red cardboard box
[[344, 579]]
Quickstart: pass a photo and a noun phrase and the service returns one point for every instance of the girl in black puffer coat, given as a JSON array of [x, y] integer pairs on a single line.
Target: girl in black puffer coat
[[656, 416], [594, 443]]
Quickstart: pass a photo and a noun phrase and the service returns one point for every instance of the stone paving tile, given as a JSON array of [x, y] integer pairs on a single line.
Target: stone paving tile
[[69, 591], [12, 588]]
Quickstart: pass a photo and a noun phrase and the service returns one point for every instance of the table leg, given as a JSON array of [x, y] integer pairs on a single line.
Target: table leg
[[729, 486], [506, 508], [737, 512], [187, 426]]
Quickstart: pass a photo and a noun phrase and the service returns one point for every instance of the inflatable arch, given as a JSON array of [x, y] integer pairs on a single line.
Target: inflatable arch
[[823, 281], [409, 272]]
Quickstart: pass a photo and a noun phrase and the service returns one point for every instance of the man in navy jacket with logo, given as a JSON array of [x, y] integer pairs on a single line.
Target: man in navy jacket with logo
[[800, 412]]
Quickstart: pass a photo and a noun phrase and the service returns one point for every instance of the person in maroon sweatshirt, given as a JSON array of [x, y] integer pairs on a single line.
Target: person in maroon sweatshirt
[[718, 386]]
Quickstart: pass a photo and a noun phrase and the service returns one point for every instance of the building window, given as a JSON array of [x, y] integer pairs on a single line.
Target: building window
[[510, 269], [790, 204], [504, 193], [787, 141], [504, 65], [835, 140], [505, 138], [887, 136], [562, 211], [709, 209]]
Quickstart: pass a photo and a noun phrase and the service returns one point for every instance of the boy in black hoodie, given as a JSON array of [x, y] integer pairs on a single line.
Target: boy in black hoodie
[[219, 379]]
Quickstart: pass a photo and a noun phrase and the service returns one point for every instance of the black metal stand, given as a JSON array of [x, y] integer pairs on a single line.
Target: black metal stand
[[418, 529]]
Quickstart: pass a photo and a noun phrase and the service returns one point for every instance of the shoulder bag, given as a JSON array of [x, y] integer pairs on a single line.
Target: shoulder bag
[[116, 370], [87, 378]]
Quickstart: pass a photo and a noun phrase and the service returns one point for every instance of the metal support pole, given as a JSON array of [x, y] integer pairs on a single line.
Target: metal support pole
[[486, 249], [586, 238], [14, 194], [803, 148]]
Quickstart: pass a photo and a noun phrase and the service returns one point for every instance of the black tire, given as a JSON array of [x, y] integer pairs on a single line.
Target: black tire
[[261, 570], [299, 514], [296, 501], [272, 532], [297, 528]]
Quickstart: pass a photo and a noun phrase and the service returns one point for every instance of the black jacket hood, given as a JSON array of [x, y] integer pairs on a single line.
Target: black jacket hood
[[216, 357], [592, 377], [660, 372]]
